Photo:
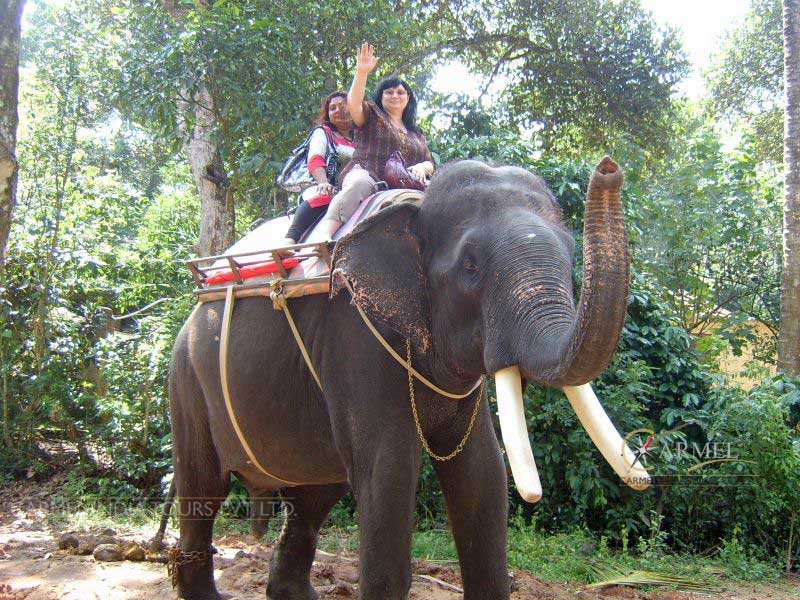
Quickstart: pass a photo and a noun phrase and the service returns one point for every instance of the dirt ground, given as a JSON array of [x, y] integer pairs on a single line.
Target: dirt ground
[[33, 568]]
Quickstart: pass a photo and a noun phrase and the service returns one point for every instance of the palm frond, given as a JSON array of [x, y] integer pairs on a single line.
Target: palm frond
[[614, 576]]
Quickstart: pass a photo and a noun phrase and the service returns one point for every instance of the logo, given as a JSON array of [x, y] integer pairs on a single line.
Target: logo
[[669, 453]]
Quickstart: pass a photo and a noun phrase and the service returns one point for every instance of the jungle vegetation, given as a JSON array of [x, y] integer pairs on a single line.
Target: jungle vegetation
[[115, 96]]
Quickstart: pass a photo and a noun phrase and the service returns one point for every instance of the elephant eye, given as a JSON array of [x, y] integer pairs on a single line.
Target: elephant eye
[[469, 265]]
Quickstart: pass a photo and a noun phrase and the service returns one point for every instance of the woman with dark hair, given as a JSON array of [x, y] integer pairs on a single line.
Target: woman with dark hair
[[336, 127], [384, 125]]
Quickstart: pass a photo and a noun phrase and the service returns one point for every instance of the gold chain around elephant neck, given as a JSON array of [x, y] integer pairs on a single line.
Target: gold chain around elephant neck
[[422, 439]]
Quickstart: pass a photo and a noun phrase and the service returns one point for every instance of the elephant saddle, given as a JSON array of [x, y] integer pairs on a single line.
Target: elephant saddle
[[257, 263]]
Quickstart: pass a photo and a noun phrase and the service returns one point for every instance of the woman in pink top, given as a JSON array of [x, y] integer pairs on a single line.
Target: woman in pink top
[[384, 125], [334, 119]]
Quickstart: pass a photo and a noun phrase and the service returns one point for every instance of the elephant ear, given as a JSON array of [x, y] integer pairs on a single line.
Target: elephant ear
[[381, 259]]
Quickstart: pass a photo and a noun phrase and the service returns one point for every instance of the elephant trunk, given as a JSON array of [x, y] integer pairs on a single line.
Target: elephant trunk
[[569, 355], [586, 347]]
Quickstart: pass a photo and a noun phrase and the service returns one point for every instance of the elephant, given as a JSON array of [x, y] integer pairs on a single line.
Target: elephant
[[475, 280]]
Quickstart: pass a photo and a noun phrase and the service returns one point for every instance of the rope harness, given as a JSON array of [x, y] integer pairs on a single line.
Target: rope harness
[[223, 375], [279, 302]]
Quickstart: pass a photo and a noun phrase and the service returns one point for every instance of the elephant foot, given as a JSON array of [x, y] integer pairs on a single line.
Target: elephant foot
[[212, 595], [278, 591], [194, 579]]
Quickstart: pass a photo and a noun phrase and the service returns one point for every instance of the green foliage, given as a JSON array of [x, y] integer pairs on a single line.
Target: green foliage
[[746, 79], [719, 262], [94, 290], [741, 562], [580, 74], [298, 52]]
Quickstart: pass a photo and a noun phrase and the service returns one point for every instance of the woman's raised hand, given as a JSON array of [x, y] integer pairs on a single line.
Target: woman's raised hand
[[366, 61]]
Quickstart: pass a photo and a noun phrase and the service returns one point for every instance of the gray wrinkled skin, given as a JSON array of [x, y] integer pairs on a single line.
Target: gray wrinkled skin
[[478, 278]]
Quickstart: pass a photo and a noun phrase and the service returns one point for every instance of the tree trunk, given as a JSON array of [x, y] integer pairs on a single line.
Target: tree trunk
[[216, 213], [10, 15], [789, 341], [205, 160]]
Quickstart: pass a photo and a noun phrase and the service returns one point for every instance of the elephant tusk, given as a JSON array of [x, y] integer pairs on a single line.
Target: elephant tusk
[[515, 434], [605, 436]]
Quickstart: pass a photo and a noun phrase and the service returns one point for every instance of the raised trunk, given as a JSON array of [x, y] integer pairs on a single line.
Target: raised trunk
[[10, 15], [789, 342], [587, 347]]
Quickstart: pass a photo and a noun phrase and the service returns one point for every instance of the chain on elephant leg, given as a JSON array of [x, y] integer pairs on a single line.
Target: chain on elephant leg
[[192, 573]]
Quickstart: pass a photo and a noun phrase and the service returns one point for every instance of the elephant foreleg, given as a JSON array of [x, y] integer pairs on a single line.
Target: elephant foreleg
[[290, 566], [385, 494], [475, 491]]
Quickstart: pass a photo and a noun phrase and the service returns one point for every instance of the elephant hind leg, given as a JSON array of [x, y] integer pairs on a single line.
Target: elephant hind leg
[[290, 567], [201, 485]]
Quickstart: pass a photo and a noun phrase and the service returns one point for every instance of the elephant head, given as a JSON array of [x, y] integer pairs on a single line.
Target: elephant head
[[479, 278]]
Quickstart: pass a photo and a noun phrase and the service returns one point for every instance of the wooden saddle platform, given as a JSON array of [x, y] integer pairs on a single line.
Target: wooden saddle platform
[[253, 265]]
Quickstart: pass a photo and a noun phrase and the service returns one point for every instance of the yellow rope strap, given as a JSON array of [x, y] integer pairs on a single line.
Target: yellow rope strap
[[279, 303], [406, 364], [223, 374]]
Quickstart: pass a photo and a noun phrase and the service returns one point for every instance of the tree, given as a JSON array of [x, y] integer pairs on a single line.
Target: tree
[[746, 79], [582, 73], [719, 260], [789, 348], [10, 15], [241, 80], [199, 116], [238, 83]]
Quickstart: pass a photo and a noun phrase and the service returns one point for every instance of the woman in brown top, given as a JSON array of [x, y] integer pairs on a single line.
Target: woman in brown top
[[384, 125]]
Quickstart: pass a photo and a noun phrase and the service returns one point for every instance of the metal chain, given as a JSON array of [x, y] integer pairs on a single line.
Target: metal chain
[[422, 439], [177, 557]]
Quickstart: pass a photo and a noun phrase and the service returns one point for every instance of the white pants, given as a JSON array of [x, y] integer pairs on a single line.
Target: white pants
[[357, 185]]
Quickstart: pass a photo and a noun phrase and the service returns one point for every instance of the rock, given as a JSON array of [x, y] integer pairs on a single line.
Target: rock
[[107, 553], [347, 573], [325, 573], [89, 543], [155, 545], [157, 557], [74, 558], [26, 525], [338, 589], [68, 541], [133, 551], [6, 593], [108, 531], [223, 563], [242, 554]]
